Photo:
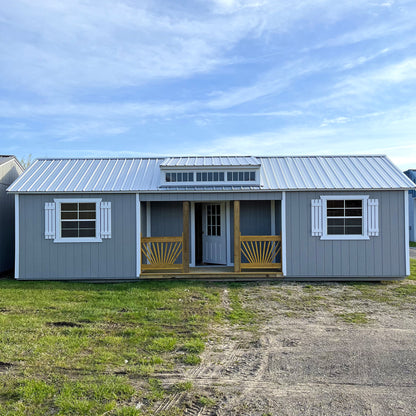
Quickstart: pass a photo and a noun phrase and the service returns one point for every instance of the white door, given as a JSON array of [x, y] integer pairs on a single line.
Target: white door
[[214, 242]]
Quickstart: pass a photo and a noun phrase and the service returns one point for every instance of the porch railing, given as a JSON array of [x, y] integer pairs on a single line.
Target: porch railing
[[162, 253], [260, 251]]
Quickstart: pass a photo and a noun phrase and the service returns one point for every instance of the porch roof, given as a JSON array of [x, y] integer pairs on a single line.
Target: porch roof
[[279, 173]]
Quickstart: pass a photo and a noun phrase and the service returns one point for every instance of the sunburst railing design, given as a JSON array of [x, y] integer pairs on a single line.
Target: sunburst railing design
[[261, 251], [159, 253]]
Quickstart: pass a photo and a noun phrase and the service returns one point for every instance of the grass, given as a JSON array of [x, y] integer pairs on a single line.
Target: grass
[[353, 317], [412, 243], [83, 349]]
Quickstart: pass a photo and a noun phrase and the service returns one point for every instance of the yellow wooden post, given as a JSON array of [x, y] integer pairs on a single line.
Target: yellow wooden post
[[185, 252], [237, 248]]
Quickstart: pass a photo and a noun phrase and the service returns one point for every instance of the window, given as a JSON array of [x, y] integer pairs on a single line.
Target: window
[[214, 220], [344, 217], [78, 219], [241, 176], [82, 220], [210, 176], [179, 177]]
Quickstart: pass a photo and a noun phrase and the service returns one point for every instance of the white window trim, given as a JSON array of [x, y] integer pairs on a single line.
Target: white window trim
[[363, 236], [96, 239]]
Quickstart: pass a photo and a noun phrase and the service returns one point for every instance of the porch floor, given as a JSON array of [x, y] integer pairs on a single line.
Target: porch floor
[[220, 273]]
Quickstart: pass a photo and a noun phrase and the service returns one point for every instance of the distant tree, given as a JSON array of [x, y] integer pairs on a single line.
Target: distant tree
[[26, 161]]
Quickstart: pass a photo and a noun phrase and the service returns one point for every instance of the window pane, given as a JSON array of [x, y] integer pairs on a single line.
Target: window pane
[[87, 215], [168, 177], [235, 176], [354, 203], [221, 178], [209, 176], [240, 176], [336, 230], [353, 212], [353, 221], [335, 212], [69, 225], [252, 176], [179, 176], [333, 203], [87, 206], [353, 230], [69, 233], [69, 215], [173, 176], [215, 176], [336, 222], [87, 233], [87, 224], [198, 177], [69, 206], [246, 176], [191, 177], [204, 176], [229, 176]]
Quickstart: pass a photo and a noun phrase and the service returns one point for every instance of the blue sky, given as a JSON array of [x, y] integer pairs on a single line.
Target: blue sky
[[262, 77]]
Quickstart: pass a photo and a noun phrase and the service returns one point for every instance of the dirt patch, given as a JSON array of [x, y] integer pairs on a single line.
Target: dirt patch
[[310, 353], [65, 324]]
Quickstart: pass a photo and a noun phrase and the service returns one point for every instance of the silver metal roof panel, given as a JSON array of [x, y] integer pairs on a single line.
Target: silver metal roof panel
[[210, 161], [276, 174]]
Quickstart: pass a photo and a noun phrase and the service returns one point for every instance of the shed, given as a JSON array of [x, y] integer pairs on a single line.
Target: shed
[[242, 217], [411, 173], [10, 169]]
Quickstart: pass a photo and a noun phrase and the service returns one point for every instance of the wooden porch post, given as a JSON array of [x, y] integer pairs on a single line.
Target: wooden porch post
[[185, 251], [237, 249]]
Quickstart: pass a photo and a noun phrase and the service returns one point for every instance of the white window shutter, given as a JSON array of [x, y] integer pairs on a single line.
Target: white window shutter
[[372, 218], [317, 217], [105, 219], [50, 220]]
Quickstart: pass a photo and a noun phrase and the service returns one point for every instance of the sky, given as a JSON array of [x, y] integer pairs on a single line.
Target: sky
[[116, 78]]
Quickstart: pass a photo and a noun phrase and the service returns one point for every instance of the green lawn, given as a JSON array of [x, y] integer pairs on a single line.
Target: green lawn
[[95, 349], [85, 349]]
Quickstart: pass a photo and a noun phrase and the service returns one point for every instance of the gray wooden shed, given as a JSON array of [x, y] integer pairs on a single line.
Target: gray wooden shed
[[10, 169], [304, 218]]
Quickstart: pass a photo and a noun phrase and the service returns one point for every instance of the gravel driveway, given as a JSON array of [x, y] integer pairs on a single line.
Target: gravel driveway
[[328, 349]]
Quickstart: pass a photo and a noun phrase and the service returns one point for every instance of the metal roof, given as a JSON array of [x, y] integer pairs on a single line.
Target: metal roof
[[6, 158], [210, 161], [411, 173], [276, 174]]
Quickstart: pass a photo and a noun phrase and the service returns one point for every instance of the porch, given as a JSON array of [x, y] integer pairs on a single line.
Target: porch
[[232, 249]]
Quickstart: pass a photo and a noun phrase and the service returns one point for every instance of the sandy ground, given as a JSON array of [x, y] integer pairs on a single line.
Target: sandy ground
[[302, 358]]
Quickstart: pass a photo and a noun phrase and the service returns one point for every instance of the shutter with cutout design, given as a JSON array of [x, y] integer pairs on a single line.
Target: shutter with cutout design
[[105, 219], [50, 220], [372, 218], [317, 217]]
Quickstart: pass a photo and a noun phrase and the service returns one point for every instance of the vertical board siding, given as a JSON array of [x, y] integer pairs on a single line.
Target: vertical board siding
[[6, 229], [9, 172], [113, 258], [255, 217], [167, 219], [380, 256]]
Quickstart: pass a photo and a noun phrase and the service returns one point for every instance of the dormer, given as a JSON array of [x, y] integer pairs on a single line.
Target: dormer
[[223, 171]]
